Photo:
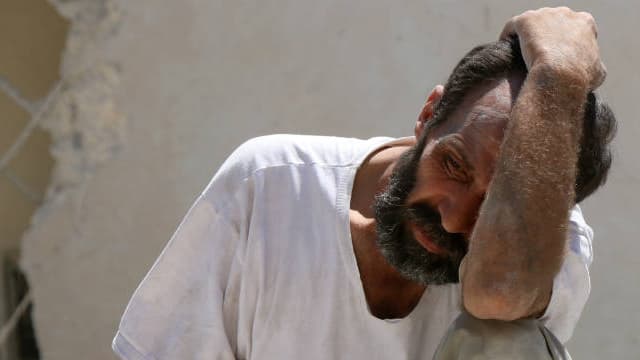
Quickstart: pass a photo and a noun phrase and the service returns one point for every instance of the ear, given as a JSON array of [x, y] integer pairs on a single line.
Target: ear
[[427, 111]]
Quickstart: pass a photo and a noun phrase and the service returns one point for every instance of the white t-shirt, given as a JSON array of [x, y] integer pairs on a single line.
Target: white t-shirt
[[262, 267]]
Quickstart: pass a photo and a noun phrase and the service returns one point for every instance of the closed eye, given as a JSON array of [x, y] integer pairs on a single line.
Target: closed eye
[[451, 153], [454, 168]]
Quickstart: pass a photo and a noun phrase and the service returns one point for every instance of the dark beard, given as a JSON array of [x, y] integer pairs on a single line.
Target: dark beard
[[396, 241]]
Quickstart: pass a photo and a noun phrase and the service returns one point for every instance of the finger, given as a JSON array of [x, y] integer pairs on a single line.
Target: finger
[[509, 29], [602, 75]]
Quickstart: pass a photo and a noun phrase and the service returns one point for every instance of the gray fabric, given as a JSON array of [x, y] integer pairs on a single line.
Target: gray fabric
[[558, 351], [469, 338]]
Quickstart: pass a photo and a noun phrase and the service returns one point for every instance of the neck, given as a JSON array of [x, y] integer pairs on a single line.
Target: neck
[[389, 295]]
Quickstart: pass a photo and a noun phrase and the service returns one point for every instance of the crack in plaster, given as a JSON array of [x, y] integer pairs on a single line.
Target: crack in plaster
[[82, 118]]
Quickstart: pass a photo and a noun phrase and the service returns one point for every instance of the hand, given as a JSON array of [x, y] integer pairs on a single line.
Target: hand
[[561, 40]]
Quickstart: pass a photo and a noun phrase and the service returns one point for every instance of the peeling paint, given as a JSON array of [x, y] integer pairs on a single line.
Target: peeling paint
[[93, 24], [85, 126]]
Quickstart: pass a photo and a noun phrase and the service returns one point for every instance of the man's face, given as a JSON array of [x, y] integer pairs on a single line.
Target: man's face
[[426, 214]]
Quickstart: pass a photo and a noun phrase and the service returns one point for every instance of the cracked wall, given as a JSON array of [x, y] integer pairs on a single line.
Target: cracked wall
[[86, 130], [153, 95]]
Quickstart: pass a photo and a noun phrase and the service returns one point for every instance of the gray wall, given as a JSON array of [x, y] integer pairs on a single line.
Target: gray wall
[[162, 91]]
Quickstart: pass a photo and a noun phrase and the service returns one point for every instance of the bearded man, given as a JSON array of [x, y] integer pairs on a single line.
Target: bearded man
[[334, 248]]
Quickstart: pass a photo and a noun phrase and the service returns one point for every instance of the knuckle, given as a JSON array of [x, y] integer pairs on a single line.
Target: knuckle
[[603, 70], [516, 20], [588, 18], [586, 15], [591, 23], [542, 11]]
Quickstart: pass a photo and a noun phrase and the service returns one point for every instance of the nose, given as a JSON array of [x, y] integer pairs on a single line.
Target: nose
[[459, 211]]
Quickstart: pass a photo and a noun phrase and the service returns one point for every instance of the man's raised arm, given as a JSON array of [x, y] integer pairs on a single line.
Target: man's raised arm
[[517, 245]]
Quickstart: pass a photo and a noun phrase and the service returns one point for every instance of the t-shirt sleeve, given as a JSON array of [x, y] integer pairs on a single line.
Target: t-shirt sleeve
[[177, 311], [572, 284]]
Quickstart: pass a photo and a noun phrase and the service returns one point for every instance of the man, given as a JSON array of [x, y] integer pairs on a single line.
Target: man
[[329, 248]]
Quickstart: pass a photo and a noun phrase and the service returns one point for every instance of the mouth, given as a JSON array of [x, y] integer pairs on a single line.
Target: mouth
[[421, 235]]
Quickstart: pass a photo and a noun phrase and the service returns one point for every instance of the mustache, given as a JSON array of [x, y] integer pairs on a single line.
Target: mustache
[[429, 219]]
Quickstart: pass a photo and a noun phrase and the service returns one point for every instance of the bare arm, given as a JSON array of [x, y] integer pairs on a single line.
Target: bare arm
[[517, 245]]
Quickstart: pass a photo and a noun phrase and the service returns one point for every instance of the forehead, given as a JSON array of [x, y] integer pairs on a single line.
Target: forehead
[[479, 122], [484, 110]]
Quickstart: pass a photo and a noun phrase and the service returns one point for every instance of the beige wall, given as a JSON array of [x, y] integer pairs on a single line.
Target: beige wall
[[157, 93]]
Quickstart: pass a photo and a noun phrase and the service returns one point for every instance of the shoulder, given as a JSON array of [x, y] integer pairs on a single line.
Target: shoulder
[[273, 151], [283, 149]]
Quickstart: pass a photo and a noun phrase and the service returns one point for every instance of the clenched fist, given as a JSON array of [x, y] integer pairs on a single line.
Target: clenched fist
[[559, 40]]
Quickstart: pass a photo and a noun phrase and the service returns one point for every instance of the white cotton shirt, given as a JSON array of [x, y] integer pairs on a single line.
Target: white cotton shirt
[[262, 267]]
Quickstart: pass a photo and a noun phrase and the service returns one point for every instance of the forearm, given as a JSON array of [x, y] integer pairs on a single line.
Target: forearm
[[517, 244]]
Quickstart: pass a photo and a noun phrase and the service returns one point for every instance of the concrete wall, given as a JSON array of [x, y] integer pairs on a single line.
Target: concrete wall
[[157, 93]]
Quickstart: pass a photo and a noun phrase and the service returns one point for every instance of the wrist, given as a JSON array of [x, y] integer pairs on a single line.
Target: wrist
[[560, 78]]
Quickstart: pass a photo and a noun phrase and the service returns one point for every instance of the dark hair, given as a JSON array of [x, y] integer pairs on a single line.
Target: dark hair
[[502, 58]]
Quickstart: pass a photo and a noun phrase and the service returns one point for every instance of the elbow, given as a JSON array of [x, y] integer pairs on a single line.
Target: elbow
[[505, 304]]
